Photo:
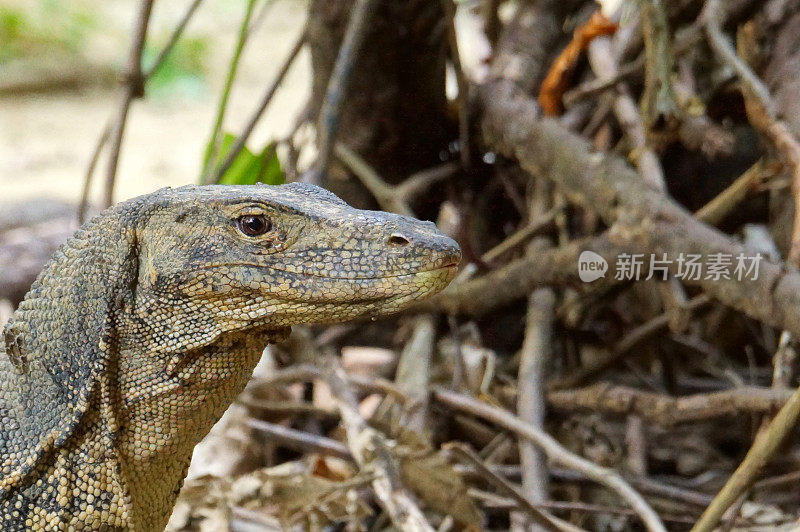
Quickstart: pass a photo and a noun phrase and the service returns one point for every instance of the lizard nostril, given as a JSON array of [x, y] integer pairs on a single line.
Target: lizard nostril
[[396, 239]]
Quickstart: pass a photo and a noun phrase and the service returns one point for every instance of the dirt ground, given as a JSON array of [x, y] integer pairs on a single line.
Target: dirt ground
[[46, 139]]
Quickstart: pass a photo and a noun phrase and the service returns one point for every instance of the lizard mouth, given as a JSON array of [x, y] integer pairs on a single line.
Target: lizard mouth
[[365, 278], [372, 290], [450, 265], [448, 271]]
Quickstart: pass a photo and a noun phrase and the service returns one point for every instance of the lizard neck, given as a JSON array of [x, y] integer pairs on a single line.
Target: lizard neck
[[166, 406]]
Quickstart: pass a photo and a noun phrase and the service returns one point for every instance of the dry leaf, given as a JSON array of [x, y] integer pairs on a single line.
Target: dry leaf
[[558, 77], [433, 479]]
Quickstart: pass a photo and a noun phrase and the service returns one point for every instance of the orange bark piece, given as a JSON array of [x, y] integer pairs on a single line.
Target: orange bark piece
[[323, 470], [558, 76]]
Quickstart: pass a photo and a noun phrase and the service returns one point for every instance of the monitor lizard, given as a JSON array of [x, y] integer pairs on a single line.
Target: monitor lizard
[[147, 323]]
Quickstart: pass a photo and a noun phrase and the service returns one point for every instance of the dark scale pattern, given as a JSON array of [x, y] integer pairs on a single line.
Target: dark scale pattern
[[147, 323]]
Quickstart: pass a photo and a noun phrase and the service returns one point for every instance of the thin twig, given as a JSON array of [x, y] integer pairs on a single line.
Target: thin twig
[[597, 86], [173, 39], [392, 198], [241, 140], [490, 500], [496, 501], [308, 372], [554, 452], [713, 18], [521, 235], [134, 88], [83, 206], [536, 354], [604, 64], [287, 408], [546, 520], [301, 441], [764, 447], [768, 483], [726, 201], [657, 488], [668, 411], [338, 85], [623, 346], [369, 448], [384, 194], [212, 148], [420, 181], [414, 373], [462, 100]]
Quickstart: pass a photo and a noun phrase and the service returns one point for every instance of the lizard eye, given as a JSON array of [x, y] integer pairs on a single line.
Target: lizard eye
[[254, 224]]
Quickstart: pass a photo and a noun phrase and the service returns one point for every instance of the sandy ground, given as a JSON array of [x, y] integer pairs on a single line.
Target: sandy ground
[[46, 139]]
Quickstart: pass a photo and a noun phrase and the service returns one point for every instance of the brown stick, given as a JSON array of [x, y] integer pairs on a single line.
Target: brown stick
[[536, 354], [554, 451], [307, 373], [369, 449], [627, 112], [764, 447], [83, 206], [414, 373], [134, 88], [712, 18], [241, 140], [726, 201], [669, 411], [645, 218], [623, 347], [515, 280], [462, 99], [392, 198], [545, 520], [301, 441]]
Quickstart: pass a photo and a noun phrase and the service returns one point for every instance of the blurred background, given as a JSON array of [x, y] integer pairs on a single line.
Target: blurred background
[[59, 70], [530, 131]]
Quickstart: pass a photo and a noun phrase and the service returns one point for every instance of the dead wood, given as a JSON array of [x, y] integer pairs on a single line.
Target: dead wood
[[664, 410]]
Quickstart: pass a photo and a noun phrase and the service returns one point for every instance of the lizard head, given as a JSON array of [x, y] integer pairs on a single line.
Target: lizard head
[[136, 318], [274, 256]]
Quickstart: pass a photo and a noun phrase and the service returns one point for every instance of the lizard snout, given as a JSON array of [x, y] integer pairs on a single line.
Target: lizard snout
[[422, 244]]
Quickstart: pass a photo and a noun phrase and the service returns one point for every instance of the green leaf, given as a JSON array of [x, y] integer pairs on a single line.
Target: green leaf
[[183, 69], [244, 169], [248, 168], [271, 171]]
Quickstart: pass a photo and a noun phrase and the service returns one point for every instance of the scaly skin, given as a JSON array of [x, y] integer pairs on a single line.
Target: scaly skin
[[148, 322]]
